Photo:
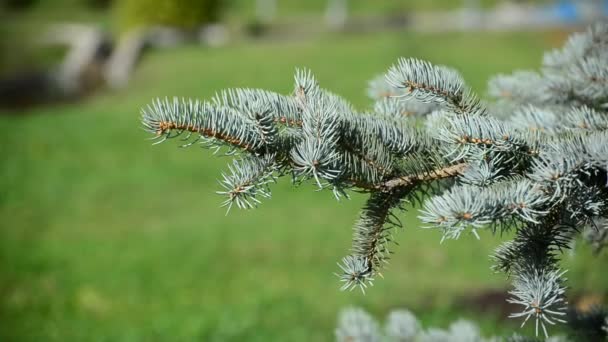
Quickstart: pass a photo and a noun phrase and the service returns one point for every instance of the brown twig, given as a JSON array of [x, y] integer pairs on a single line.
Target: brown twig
[[165, 126], [446, 172]]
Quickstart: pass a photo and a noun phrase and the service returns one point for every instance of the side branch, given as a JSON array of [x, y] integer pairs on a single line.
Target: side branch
[[289, 122], [164, 127], [411, 86], [369, 160], [446, 172]]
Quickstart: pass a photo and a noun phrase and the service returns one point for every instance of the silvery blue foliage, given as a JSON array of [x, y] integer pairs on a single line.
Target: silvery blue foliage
[[465, 331], [521, 87], [388, 100], [541, 294], [402, 326], [426, 82], [574, 74], [535, 161], [482, 173], [498, 205], [248, 179], [356, 325], [355, 273], [520, 338], [438, 84], [534, 118]]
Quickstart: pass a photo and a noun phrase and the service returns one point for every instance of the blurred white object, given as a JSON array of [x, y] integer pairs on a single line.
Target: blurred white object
[[165, 36], [84, 45], [336, 14], [119, 67], [471, 15], [213, 35], [265, 10]]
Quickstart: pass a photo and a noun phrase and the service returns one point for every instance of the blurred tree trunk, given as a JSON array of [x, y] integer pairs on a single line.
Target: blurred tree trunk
[[336, 14], [265, 10], [471, 4], [471, 14], [124, 58]]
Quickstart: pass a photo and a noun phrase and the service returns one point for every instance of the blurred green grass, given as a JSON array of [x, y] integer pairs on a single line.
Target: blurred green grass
[[21, 46], [361, 7], [105, 237]]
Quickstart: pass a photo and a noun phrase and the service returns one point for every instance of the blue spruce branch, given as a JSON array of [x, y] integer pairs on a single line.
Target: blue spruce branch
[[534, 161]]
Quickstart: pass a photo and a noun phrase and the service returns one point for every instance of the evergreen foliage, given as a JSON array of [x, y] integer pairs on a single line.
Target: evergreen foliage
[[356, 325], [534, 161]]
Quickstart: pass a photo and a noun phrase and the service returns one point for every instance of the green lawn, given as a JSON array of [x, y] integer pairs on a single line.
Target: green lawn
[[360, 7], [107, 238]]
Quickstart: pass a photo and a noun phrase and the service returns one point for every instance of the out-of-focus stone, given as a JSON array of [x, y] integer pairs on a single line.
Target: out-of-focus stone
[[119, 67], [213, 35]]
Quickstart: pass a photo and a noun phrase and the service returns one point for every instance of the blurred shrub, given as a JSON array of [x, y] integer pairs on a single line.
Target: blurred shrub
[[256, 28], [16, 4], [98, 4], [185, 14]]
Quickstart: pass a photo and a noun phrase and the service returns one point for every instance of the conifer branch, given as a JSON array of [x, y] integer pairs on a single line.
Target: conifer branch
[[221, 125], [372, 234], [247, 180], [165, 128], [535, 162], [431, 83]]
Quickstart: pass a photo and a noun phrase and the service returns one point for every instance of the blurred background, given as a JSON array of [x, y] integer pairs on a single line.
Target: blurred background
[[105, 237]]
